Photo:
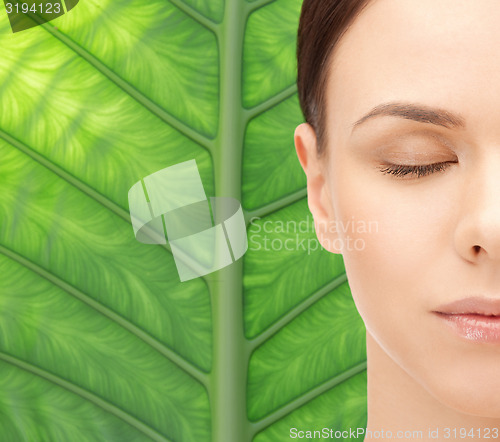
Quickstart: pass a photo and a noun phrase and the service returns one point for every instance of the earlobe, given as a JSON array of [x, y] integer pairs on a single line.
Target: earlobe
[[318, 197]]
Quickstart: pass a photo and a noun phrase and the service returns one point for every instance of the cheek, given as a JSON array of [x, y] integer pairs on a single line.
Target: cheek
[[404, 229]]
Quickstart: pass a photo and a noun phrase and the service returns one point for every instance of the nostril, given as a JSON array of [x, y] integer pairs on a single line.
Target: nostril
[[477, 249]]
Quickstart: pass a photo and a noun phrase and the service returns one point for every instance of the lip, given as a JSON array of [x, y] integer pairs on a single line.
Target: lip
[[475, 319]]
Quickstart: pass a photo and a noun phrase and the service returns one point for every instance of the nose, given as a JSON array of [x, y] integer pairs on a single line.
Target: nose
[[477, 234]]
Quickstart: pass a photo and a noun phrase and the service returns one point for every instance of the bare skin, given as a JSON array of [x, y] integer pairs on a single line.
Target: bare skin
[[426, 173]]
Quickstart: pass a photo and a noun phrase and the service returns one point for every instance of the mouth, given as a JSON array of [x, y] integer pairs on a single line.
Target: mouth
[[474, 319]]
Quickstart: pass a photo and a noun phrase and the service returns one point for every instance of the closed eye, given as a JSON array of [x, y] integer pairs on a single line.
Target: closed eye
[[418, 171]]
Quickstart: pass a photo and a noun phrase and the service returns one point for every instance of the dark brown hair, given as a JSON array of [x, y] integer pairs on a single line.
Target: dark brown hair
[[322, 24]]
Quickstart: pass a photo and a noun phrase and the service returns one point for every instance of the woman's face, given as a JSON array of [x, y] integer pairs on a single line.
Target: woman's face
[[418, 238]]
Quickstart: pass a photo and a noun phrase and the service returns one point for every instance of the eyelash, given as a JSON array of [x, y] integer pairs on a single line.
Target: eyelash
[[400, 170]]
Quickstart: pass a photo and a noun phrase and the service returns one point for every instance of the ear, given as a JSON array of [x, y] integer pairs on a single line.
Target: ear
[[318, 195]]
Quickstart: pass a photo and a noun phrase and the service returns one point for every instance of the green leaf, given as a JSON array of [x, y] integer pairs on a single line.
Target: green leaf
[[99, 340]]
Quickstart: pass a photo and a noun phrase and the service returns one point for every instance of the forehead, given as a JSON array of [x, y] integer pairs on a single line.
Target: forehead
[[443, 53]]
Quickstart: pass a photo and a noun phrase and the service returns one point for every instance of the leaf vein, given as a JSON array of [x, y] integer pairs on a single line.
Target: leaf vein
[[296, 311], [176, 359], [204, 141], [87, 395], [312, 394], [270, 102], [83, 187], [257, 4], [195, 15], [276, 205]]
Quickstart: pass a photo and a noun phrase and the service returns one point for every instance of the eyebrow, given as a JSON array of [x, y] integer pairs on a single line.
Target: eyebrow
[[415, 112]]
